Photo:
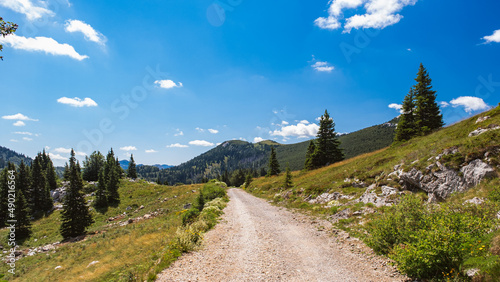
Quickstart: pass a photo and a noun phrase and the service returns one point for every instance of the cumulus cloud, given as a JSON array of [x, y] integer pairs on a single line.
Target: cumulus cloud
[[495, 37], [322, 67], [151, 151], [19, 123], [303, 129], [88, 31], [444, 104], [396, 107], [23, 133], [179, 132], [378, 14], [201, 143], [258, 139], [26, 7], [63, 150], [469, 103], [56, 157], [200, 129], [177, 145], [41, 44], [213, 131], [77, 102], [128, 148], [167, 84], [19, 116], [27, 139]]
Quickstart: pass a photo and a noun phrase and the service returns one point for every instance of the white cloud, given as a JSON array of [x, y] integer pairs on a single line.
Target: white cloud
[[68, 151], [444, 104], [258, 139], [27, 139], [285, 122], [322, 67], [304, 121], [41, 44], [200, 129], [77, 102], [128, 148], [396, 107], [88, 32], [301, 130], [177, 145], [24, 133], [14, 140], [213, 131], [19, 123], [19, 116], [201, 143], [470, 103], [56, 157], [379, 14], [495, 37], [151, 151], [179, 132], [27, 8], [167, 84]]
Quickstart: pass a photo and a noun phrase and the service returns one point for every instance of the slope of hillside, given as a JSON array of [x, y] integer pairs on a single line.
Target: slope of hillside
[[456, 167], [235, 154], [8, 155]]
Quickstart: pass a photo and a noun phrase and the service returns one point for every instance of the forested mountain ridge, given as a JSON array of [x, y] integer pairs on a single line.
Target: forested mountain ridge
[[8, 155]]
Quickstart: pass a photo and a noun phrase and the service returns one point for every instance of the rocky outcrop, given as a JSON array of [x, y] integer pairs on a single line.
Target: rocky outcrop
[[445, 181], [481, 130], [383, 199], [328, 197]]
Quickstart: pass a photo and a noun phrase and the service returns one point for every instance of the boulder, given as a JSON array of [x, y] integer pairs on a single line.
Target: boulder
[[481, 119], [481, 130], [475, 201]]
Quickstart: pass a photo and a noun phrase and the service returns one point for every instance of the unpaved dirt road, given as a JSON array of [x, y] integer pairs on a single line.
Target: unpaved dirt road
[[256, 241]]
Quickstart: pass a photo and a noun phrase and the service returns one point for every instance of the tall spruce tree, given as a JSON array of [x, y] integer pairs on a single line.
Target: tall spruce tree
[[112, 177], [40, 202], [310, 151], [273, 166], [75, 215], [51, 175], [92, 166], [101, 200], [327, 149], [22, 213], [427, 112], [406, 126], [288, 177], [132, 171]]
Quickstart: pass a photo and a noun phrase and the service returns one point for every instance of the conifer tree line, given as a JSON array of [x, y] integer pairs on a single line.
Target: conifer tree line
[[420, 111], [325, 149]]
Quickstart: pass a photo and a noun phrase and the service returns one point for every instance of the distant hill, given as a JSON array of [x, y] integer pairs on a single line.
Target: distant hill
[[8, 155], [235, 154], [124, 164]]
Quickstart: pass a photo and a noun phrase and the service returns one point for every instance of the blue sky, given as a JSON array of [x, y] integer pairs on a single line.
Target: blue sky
[[169, 80]]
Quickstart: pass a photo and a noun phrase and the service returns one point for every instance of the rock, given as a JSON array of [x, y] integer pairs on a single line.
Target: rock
[[59, 267], [498, 215], [128, 208], [187, 206], [387, 191], [58, 194], [130, 220], [147, 216], [141, 207], [481, 130], [328, 197], [446, 181], [344, 214], [471, 272], [475, 201], [481, 119], [371, 197], [92, 263], [357, 213]]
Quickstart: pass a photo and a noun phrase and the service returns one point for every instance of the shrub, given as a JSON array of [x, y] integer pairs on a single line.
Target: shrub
[[190, 216], [211, 191]]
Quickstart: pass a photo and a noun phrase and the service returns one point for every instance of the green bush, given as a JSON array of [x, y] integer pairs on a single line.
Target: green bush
[[190, 216], [432, 242], [211, 191]]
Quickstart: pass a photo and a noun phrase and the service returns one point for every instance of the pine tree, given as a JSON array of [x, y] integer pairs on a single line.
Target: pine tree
[[406, 126], [273, 166], [38, 189], [308, 165], [92, 166], [66, 172], [22, 214], [51, 175], [100, 195], [112, 178], [427, 112], [248, 179], [327, 149], [75, 215], [132, 171], [288, 177]]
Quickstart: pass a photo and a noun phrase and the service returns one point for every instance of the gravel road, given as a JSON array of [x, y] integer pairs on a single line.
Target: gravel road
[[256, 241]]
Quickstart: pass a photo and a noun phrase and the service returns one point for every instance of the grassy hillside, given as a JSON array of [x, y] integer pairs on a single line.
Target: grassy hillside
[[131, 252], [351, 177]]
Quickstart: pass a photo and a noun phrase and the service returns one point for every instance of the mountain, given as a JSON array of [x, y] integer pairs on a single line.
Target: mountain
[[124, 164], [233, 155], [8, 155]]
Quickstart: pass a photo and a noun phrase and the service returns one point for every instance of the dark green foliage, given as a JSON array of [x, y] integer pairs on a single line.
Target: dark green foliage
[[132, 171], [22, 213], [407, 127], [211, 191], [200, 201], [288, 178], [51, 175], [308, 164], [327, 149], [427, 112], [6, 28], [92, 166], [430, 242], [238, 178], [75, 215], [112, 177], [248, 180], [7, 155], [190, 216], [40, 202], [101, 200], [273, 167], [66, 172]]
